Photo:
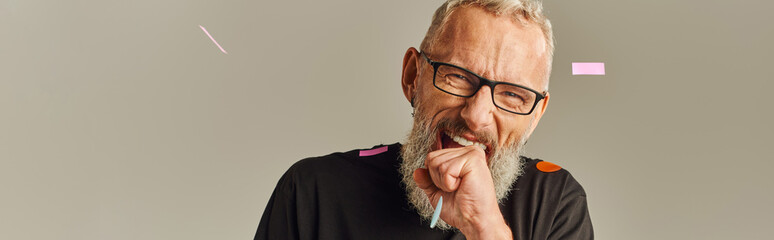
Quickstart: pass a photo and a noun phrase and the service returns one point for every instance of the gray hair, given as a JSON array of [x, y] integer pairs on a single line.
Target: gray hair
[[524, 11]]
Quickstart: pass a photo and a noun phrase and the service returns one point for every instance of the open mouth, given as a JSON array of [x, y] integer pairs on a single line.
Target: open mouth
[[451, 141]]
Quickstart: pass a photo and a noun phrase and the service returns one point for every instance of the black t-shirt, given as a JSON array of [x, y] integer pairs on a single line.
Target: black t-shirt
[[349, 196]]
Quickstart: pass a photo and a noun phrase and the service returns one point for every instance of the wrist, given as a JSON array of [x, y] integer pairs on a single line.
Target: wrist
[[493, 227]]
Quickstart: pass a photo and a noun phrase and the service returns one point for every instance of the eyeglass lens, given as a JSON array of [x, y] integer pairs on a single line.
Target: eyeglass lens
[[464, 84]]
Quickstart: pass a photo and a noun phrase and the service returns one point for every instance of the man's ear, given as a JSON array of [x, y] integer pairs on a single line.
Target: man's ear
[[410, 74], [540, 109]]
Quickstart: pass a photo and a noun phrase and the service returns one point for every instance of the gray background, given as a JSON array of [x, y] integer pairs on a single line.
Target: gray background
[[122, 120]]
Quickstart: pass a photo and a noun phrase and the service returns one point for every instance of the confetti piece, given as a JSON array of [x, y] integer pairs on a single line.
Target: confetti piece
[[365, 153], [548, 167], [213, 40], [588, 68], [437, 213]]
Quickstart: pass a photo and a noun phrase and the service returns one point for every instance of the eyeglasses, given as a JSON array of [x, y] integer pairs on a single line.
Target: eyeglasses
[[461, 82]]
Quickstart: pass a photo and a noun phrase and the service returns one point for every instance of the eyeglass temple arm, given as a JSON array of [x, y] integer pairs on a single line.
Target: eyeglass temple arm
[[426, 58]]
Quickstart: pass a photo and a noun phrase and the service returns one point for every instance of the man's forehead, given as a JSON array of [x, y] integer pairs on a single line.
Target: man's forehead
[[498, 47], [480, 28]]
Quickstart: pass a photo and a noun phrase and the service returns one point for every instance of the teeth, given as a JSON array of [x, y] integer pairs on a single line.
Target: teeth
[[465, 142], [481, 145]]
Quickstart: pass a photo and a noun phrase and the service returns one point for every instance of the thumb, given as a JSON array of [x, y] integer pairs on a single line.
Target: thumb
[[423, 180]]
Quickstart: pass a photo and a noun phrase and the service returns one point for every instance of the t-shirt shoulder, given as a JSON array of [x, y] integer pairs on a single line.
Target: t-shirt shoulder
[[563, 211], [338, 161], [551, 174]]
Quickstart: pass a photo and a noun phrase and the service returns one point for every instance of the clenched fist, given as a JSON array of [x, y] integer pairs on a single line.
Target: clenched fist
[[461, 175]]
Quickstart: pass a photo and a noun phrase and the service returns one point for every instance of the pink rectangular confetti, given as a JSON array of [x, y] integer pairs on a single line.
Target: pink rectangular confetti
[[371, 152], [588, 68], [213, 39]]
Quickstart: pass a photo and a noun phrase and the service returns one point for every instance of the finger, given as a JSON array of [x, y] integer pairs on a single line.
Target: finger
[[445, 170], [450, 175], [448, 169], [446, 153], [475, 159], [438, 157], [456, 152], [436, 168]]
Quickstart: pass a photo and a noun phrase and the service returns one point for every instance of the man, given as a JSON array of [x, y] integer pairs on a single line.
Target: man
[[478, 86]]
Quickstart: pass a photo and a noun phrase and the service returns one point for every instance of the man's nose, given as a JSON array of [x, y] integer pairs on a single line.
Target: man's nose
[[479, 109]]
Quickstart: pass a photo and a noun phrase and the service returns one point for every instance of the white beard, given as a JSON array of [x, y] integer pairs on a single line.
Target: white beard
[[505, 164]]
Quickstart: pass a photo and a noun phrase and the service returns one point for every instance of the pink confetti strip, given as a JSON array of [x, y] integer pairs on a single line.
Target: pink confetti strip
[[588, 68], [213, 40], [365, 153]]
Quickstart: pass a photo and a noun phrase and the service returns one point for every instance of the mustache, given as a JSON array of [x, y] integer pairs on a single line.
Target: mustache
[[458, 127]]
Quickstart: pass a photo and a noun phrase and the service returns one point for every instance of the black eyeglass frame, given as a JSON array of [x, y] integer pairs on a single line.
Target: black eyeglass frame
[[483, 82]]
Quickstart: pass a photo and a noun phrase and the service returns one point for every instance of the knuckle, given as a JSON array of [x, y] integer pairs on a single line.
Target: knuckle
[[432, 163], [448, 182], [434, 154], [443, 168], [476, 151]]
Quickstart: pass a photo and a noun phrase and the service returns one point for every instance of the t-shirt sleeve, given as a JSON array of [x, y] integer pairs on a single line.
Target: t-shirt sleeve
[[279, 220], [572, 220]]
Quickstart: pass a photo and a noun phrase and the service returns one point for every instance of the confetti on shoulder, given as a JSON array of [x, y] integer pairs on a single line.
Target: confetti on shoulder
[[371, 152], [547, 167], [213, 40]]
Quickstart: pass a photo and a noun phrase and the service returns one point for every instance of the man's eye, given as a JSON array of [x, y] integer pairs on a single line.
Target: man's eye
[[513, 95], [457, 76]]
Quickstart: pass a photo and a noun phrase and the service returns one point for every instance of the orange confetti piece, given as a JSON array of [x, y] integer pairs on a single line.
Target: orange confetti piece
[[548, 167]]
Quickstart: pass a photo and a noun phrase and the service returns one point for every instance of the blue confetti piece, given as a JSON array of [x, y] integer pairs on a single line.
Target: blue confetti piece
[[437, 213]]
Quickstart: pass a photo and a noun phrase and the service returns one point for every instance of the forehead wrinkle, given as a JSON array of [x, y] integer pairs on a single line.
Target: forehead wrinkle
[[483, 44], [487, 63]]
